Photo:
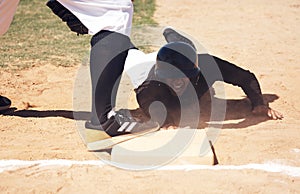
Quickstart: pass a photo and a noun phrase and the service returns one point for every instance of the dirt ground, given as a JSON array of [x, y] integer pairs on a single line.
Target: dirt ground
[[255, 34]]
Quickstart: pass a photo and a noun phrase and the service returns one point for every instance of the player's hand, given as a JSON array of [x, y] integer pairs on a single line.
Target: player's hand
[[265, 110]]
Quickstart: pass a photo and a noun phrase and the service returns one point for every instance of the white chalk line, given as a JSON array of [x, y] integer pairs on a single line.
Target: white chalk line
[[12, 165]]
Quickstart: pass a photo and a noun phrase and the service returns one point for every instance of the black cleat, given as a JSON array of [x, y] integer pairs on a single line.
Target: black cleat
[[119, 128], [172, 36], [4, 103]]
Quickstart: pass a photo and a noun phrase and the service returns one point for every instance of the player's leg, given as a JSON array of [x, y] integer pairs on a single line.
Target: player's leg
[[108, 55], [7, 11]]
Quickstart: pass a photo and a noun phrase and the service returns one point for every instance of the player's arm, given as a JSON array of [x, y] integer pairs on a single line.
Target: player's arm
[[248, 82]]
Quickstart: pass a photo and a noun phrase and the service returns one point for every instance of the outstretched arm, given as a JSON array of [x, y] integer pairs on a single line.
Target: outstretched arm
[[248, 82]]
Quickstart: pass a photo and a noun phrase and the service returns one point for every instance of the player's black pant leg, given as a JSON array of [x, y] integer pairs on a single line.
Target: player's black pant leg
[[107, 59]]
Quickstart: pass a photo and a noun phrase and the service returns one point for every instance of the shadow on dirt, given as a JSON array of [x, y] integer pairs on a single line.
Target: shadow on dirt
[[76, 115], [238, 113]]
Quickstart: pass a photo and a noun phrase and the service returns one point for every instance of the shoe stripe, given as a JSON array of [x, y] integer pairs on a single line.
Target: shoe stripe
[[122, 128], [130, 127]]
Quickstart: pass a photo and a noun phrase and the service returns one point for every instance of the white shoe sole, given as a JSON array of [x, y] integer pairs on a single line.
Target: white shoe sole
[[110, 142]]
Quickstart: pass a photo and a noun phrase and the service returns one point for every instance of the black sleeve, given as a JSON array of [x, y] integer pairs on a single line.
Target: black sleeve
[[234, 75], [72, 21]]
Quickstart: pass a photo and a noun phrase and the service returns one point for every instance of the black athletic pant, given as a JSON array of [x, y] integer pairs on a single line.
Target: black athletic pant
[[108, 54]]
